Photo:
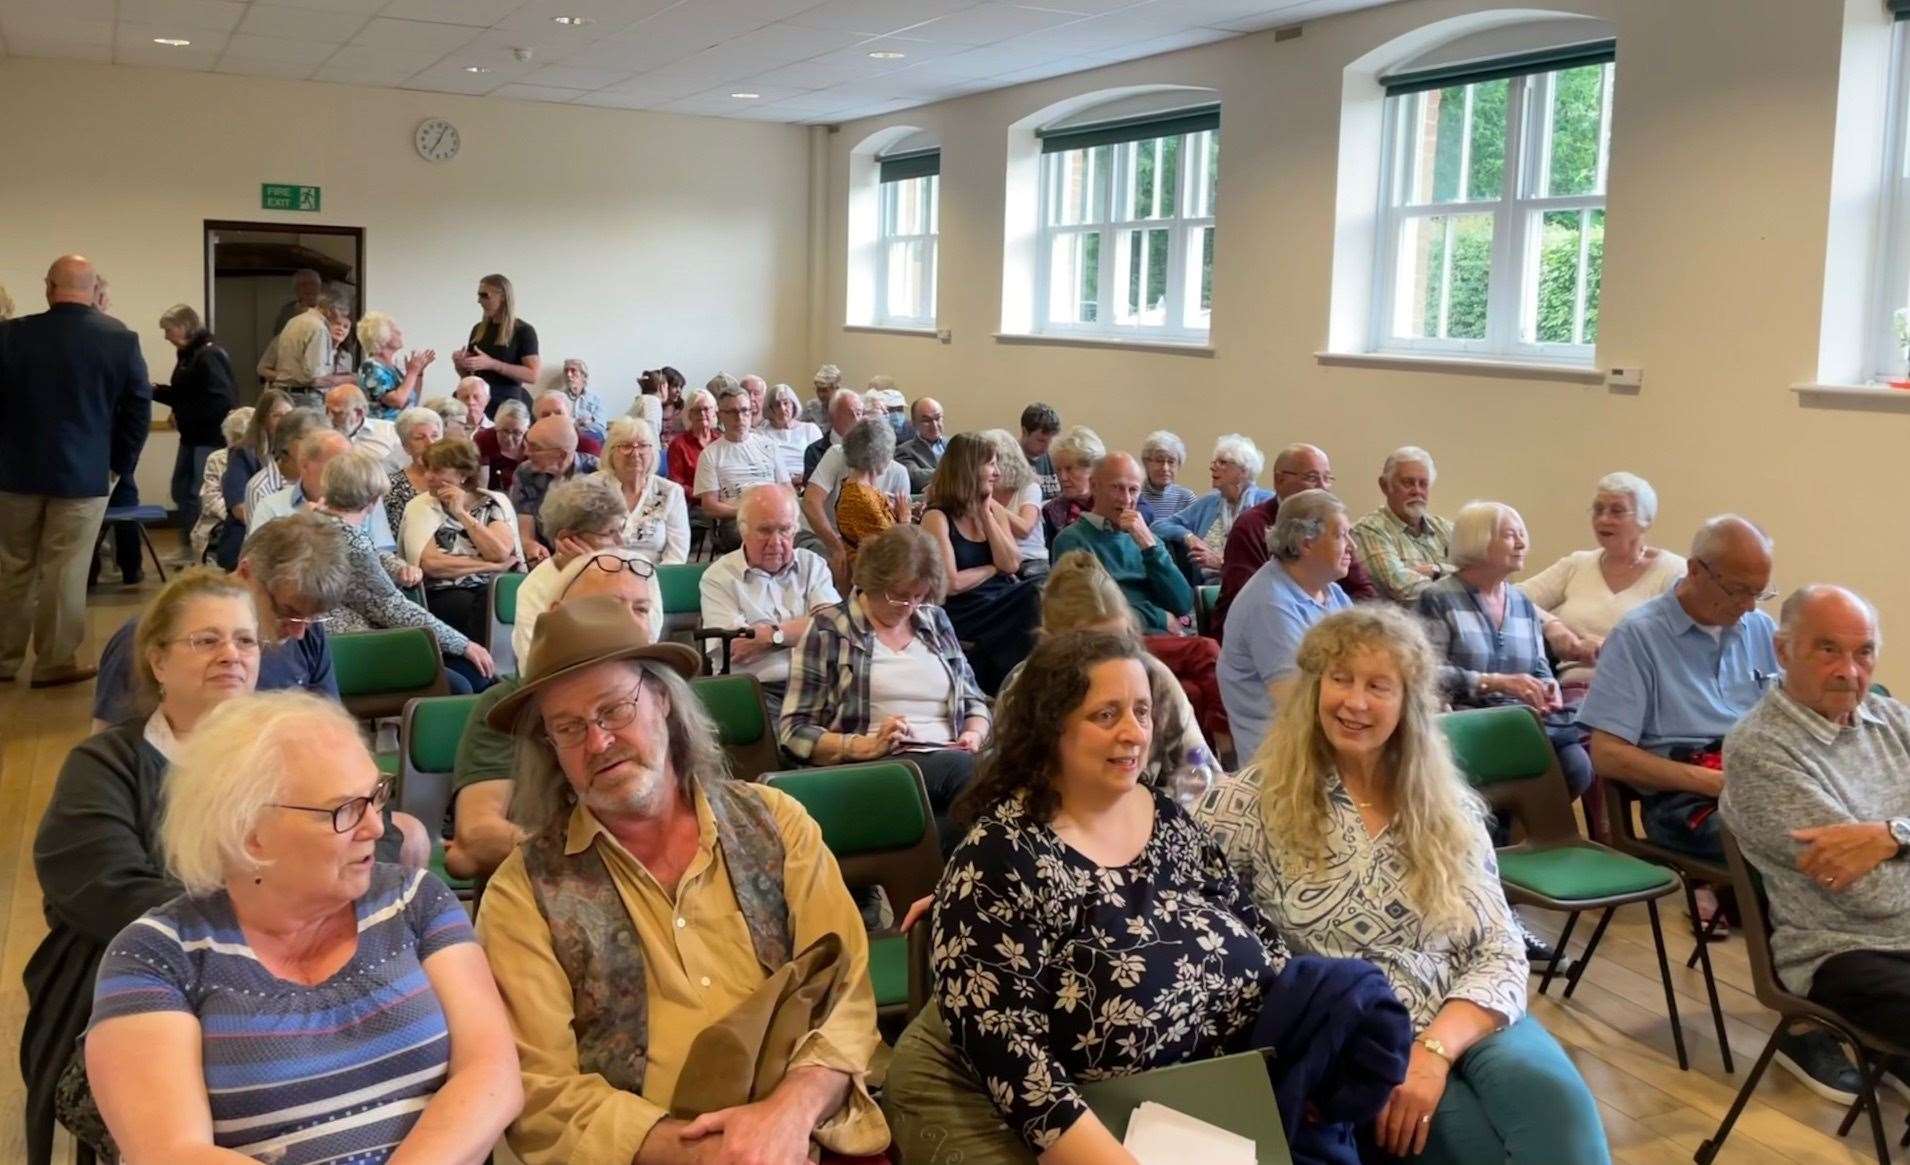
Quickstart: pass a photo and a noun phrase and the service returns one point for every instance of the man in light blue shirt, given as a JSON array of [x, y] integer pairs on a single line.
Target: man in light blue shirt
[[314, 452], [1676, 675], [1294, 589]]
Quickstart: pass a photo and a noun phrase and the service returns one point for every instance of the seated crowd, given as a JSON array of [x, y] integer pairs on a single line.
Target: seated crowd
[[1180, 752]]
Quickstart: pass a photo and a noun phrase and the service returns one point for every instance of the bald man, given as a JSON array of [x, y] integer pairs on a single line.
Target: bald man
[[550, 456], [1115, 532], [923, 449], [1297, 468], [79, 404]]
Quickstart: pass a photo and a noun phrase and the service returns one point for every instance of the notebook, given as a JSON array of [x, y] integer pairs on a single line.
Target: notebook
[[1233, 1093]]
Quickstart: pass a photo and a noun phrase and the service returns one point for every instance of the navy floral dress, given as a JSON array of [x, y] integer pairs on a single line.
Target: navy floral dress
[[1051, 970]]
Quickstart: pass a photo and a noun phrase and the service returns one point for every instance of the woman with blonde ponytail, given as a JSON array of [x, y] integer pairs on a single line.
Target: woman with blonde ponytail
[[1358, 838]]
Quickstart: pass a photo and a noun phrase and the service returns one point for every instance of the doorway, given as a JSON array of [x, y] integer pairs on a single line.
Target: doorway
[[250, 268]]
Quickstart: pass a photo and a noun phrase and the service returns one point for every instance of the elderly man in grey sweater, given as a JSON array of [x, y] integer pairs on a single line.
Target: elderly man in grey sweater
[[1818, 795]]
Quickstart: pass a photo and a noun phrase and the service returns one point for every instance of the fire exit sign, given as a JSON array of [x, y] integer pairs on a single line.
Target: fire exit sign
[[283, 196]]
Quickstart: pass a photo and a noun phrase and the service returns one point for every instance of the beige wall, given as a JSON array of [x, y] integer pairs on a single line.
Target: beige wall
[[634, 239], [1719, 200]]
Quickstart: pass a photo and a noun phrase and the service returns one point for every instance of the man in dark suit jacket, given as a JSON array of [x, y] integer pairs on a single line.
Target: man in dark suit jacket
[[922, 452], [80, 401]]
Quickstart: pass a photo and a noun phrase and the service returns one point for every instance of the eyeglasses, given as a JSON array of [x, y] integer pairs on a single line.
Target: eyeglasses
[[571, 733], [904, 601], [208, 642], [346, 815], [1734, 591], [613, 564], [1311, 480]]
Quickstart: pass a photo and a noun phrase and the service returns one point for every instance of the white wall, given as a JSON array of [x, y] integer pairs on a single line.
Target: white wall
[[634, 239], [1719, 203]]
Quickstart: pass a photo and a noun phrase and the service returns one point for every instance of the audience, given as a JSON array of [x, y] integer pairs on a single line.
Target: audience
[[1162, 455], [1485, 633], [1583, 595], [1354, 801], [827, 380], [731, 464], [1403, 547], [586, 407], [923, 449], [698, 417], [200, 396], [502, 349], [1116, 532], [1818, 803], [784, 428], [1087, 928], [460, 536], [392, 1033], [353, 484], [658, 521], [345, 405], [587, 517], [993, 611], [79, 402], [555, 403], [550, 456], [578, 922], [282, 467], [1296, 468], [474, 394], [863, 510], [1297, 587], [1039, 424], [502, 445], [883, 673], [302, 361], [1072, 458], [768, 586], [313, 452], [212, 510], [1019, 496], [1200, 530], [418, 429], [389, 388]]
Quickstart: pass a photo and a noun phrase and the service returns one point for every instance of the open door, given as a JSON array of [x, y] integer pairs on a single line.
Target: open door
[[250, 275]]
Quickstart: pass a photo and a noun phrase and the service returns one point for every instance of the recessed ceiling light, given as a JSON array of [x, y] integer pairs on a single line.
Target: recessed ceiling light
[[172, 42], [746, 96], [573, 21], [886, 56], [476, 69]]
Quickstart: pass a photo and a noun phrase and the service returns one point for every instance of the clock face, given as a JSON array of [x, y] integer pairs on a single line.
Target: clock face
[[436, 140]]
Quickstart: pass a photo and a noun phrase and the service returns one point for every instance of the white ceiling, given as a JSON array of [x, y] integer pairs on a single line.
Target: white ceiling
[[806, 60]]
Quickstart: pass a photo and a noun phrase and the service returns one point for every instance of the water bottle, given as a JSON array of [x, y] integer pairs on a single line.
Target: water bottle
[[1197, 773]]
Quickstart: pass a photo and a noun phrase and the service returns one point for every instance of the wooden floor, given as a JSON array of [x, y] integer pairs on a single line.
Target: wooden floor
[[1615, 1026]]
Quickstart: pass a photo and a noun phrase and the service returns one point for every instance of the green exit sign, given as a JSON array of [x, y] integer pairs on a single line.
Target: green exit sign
[[283, 196]]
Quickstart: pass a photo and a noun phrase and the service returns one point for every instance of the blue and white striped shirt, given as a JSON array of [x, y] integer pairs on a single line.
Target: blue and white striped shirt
[[336, 1072]]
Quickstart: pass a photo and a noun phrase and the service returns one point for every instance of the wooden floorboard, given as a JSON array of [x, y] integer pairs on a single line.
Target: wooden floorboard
[[1614, 1028]]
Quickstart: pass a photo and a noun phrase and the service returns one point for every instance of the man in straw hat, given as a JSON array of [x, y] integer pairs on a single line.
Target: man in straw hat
[[669, 943]]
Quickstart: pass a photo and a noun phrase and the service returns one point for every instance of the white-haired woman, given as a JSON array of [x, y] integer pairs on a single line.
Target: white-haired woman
[[1018, 492], [451, 414], [390, 388], [586, 407], [1201, 529], [1583, 595], [658, 525], [212, 509], [1353, 801], [1162, 455], [418, 429], [785, 429], [1073, 454], [698, 417], [347, 995]]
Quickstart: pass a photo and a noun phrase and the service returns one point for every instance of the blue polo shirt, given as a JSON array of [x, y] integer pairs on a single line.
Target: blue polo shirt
[[1274, 614], [304, 664], [1664, 680]]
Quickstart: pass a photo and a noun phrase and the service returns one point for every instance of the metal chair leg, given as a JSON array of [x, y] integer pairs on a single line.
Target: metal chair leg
[[1857, 1105], [1558, 951], [1710, 984], [1709, 1149], [152, 550], [1671, 996], [1708, 933], [1585, 956]]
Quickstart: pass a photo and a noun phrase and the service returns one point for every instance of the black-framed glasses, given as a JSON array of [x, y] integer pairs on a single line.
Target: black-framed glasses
[[617, 564], [1737, 593], [347, 815], [572, 732]]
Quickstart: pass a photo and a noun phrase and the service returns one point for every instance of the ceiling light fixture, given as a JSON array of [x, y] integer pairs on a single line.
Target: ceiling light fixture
[[746, 96], [572, 21], [476, 69], [171, 42], [885, 55]]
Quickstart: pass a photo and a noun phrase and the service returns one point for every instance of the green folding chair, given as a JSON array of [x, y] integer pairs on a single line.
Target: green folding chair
[[380, 671], [500, 606], [681, 585], [1206, 598], [1507, 757], [876, 820], [735, 702], [428, 736]]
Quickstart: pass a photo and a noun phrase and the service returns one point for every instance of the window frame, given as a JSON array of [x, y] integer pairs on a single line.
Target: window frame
[[1514, 268], [886, 236], [1113, 188], [1883, 356]]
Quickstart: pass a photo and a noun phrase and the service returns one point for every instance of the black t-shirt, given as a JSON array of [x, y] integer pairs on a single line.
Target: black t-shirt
[[523, 343]]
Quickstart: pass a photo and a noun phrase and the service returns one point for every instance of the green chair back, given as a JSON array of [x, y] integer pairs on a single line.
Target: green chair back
[[868, 808], [500, 620], [1206, 598], [428, 737], [504, 596], [1491, 745], [681, 585], [379, 670], [735, 702]]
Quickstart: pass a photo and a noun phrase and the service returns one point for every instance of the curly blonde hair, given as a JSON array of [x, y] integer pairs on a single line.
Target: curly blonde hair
[[1438, 817]]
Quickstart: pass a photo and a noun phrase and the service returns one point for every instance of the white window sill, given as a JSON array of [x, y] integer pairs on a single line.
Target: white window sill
[[1176, 347], [889, 329], [1465, 366], [1876, 398]]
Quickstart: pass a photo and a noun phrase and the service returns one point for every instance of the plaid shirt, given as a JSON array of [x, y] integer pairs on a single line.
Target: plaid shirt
[[1471, 646], [1389, 551], [829, 675]]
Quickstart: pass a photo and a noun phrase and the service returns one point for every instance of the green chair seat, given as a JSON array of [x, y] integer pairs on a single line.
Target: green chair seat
[[1580, 873], [889, 969]]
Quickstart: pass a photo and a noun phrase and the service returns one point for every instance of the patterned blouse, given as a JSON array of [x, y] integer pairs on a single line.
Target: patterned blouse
[[398, 495], [375, 380], [452, 538], [1472, 647], [1356, 905], [1052, 970]]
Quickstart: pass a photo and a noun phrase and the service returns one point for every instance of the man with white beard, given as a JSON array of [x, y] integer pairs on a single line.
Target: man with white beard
[[1402, 547]]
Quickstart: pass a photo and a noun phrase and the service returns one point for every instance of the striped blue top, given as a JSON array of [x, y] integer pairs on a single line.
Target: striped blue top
[[301, 1075]]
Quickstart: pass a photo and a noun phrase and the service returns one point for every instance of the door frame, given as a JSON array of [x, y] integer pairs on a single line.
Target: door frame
[[214, 225]]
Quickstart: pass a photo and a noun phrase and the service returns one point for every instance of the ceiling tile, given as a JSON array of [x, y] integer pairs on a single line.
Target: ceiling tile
[[970, 65], [876, 17], [414, 34], [478, 13], [606, 17], [807, 103], [353, 7], [765, 94], [784, 42], [271, 48], [40, 26], [637, 50], [302, 24], [133, 45], [451, 79], [58, 10], [570, 77], [814, 75], [28, 45], [242, 66], [609, 100], [1086, 7], [662, 84], [988, 23], [518, 92], [186, 15]]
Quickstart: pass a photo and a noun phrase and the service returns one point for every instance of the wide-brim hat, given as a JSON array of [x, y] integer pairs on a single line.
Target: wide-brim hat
[[583, 633]]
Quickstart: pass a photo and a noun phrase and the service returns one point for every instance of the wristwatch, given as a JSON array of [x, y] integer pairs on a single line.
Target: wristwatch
[[1900, 833], [778, 638]]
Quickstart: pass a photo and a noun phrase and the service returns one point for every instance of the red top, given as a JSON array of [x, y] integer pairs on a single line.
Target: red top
[[684, 451], [503, 468]]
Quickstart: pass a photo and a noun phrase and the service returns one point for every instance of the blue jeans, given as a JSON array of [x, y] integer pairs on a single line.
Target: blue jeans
[[188, 470], [1667, 818], [1515, 1098]]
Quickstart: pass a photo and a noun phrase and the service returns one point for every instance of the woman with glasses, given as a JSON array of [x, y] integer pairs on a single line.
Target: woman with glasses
[[1201, 529], [460, 535], [1162, 455], [97, 851], [785, 429], [300, 1002], [883, 673], [658, 525]]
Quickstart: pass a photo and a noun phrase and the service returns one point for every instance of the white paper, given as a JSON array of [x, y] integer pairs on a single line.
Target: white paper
[[1159, 1135]]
